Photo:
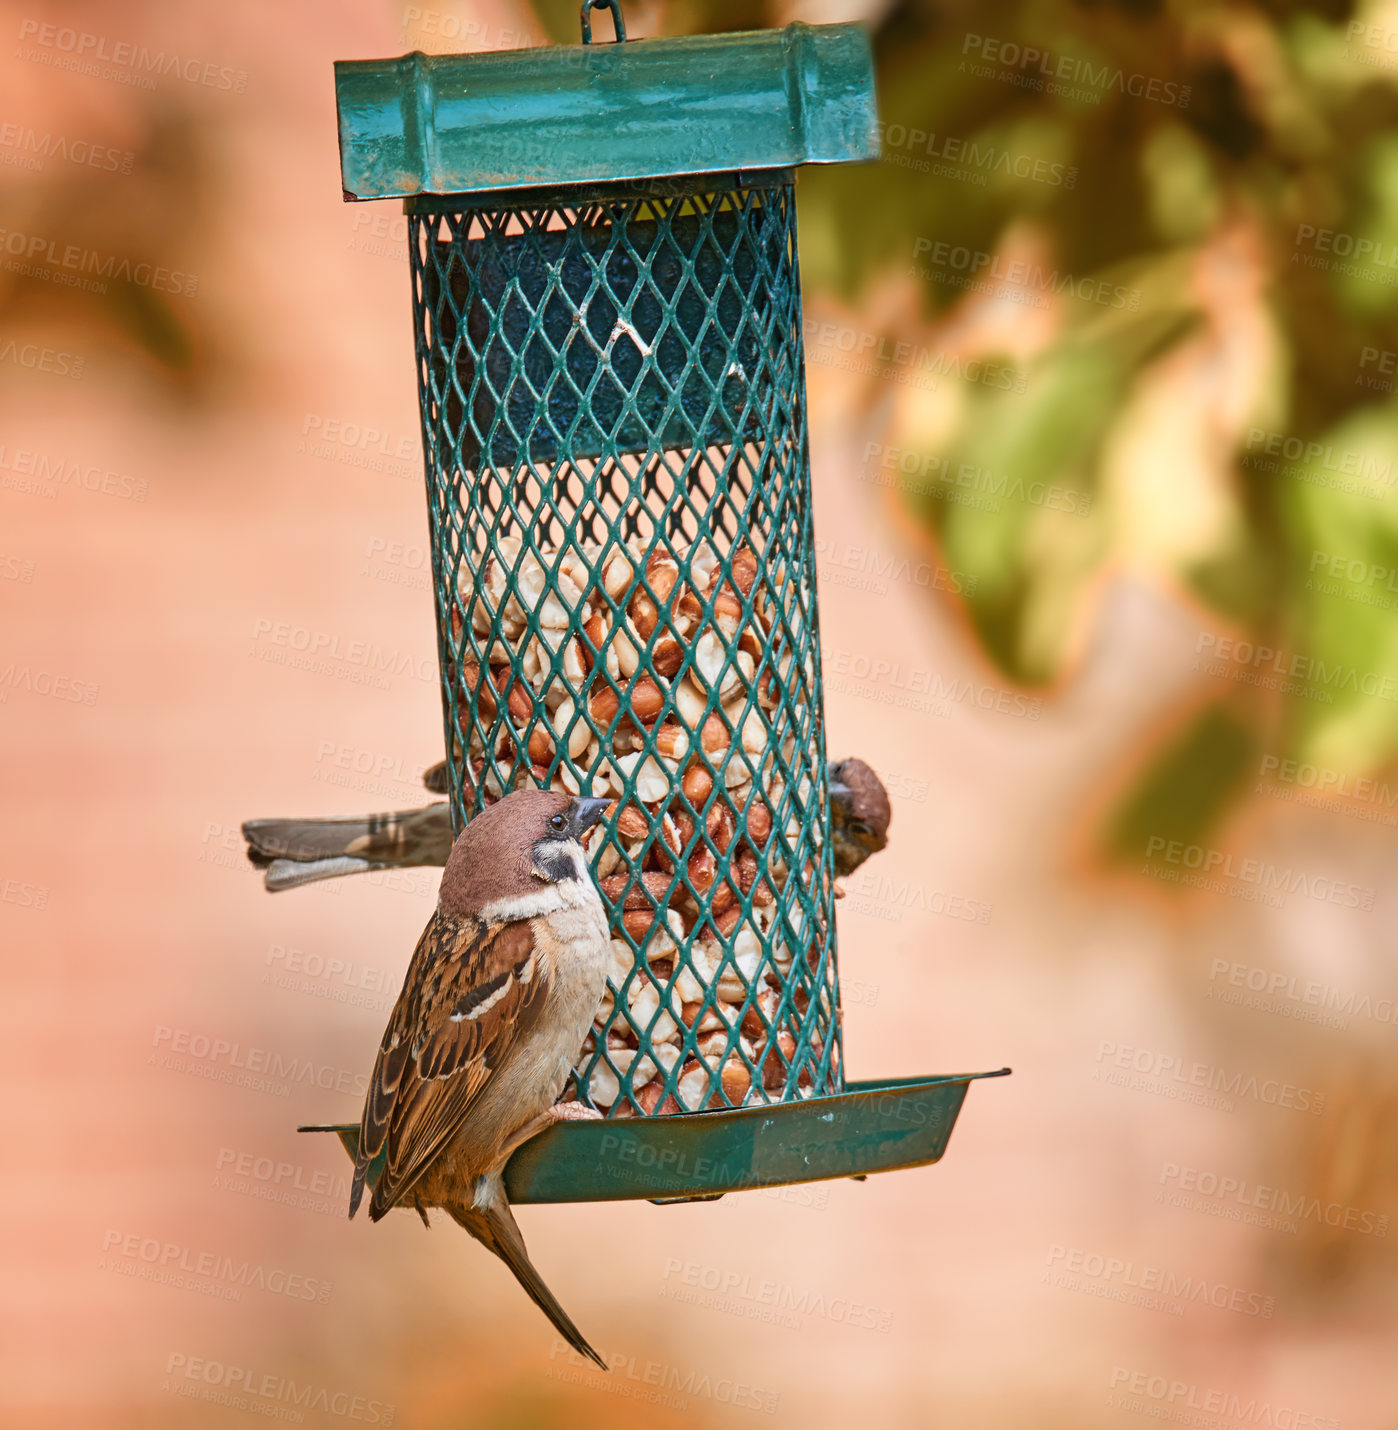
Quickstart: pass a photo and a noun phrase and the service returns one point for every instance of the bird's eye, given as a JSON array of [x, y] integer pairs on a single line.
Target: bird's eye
[[557, 823], [859, 828]]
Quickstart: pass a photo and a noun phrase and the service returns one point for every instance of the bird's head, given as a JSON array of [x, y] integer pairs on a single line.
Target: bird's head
[[514, 850], [859, 814]]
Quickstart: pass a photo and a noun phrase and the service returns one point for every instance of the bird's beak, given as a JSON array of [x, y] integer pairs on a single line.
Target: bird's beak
[[838, 790], [587, 810]]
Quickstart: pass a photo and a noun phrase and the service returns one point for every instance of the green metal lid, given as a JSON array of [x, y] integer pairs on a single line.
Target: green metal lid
[[638, 109]]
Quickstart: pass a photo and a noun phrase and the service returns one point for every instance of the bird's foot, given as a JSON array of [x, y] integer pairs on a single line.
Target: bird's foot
[[559, 1112], [574, 1112]]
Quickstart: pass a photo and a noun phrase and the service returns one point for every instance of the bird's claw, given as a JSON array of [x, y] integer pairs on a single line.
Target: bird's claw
[[576, 1112]]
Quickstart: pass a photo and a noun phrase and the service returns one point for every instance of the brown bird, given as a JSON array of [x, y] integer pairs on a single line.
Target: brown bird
[[859, 814], [498, 998], [301, 851]]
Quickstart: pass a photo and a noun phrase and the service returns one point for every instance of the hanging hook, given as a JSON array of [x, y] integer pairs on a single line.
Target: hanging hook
[[618, 24]]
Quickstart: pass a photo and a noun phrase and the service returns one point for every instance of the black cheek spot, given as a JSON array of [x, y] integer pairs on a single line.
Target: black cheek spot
[[554, 861]]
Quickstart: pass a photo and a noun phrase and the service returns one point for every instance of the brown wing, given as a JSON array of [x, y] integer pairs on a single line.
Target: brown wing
[[472, 990]]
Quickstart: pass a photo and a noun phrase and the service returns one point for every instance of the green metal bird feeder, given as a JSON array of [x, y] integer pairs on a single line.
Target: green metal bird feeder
[[607, 316]]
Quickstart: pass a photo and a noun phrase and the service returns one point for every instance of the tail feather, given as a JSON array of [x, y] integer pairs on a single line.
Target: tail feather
[[292, 873], [300, 851], [310, 838], [498, 1230]]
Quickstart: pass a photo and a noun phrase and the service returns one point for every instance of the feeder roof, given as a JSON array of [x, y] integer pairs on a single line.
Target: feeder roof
[[574, 114]]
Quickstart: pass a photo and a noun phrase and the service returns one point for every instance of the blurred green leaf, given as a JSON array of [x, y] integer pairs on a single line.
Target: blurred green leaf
[[1186, 789]]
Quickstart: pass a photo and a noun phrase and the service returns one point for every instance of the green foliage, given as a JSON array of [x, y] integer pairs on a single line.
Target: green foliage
[[1186, 785], [1234, 171]]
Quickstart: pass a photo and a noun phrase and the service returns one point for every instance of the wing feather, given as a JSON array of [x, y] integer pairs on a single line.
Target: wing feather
[[472, 990]]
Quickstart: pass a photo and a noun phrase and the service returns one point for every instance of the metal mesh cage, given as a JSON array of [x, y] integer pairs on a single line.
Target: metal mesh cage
[[613, 407]]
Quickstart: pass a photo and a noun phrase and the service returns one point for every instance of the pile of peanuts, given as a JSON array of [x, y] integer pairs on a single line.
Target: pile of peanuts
[[662, 1014]]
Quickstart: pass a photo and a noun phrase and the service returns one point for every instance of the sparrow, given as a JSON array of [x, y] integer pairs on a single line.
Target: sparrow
[[501, 991], [859, 814], [301, 851]]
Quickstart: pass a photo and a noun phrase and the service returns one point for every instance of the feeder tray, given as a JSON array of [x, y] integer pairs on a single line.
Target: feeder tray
[[688, 1157], [607, 323]]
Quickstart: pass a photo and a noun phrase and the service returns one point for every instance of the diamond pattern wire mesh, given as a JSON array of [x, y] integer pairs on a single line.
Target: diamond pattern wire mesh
[[613, 406]]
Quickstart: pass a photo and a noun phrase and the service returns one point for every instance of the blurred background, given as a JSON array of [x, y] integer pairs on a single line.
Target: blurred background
[[1101, 358]]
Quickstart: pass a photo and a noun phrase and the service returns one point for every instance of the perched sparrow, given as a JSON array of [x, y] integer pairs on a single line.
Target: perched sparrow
[[859, 814], [300, 851], [498, 998]]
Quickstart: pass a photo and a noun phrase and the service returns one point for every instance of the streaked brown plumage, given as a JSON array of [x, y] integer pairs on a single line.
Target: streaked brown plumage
[[498, 998], [301, 851]]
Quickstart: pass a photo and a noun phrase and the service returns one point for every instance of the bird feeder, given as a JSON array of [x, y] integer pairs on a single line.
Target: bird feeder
[[607, 320]]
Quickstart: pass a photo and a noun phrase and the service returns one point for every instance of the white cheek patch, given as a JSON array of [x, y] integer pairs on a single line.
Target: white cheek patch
[[547, 900], [566, 893], [579, 862]]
